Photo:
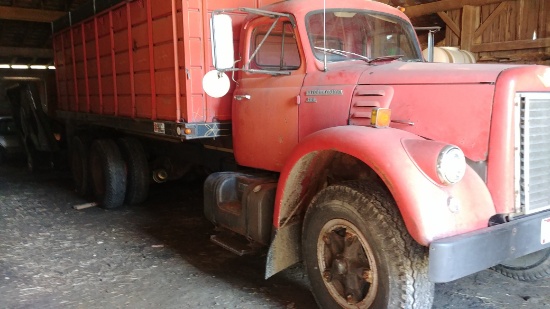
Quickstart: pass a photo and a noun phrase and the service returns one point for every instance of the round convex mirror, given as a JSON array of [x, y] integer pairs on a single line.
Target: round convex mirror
[[215, 84]]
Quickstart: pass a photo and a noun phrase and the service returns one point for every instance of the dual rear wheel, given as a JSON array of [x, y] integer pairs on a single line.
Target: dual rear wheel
[[112, 172]]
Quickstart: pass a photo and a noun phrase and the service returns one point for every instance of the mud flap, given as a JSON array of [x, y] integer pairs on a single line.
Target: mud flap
[[285, 249]]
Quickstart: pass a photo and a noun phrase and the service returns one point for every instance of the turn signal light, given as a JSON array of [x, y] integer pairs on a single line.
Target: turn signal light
[[380, 117]]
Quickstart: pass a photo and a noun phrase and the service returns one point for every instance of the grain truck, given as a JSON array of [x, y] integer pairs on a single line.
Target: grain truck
[[327, 139]]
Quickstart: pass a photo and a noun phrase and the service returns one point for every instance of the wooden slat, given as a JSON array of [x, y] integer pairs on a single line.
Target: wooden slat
[[15, 13], [445, 5], [544, 21], [450, 23], [470, 21], [511, 45]]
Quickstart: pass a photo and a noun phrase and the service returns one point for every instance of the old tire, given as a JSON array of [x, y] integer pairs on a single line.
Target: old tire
[[137, 186], [2, 155], [33, 157], [358, 253], [108, 173], [79, 165], [534, 266]]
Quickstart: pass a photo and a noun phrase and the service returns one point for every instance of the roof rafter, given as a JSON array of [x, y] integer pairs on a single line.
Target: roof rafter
[[26, 52], [445, 5], [23, 14]]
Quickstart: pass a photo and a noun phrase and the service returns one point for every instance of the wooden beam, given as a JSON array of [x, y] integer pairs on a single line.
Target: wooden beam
[[489, 21], [511, 45], [450, 23], [41, 16], [470, 21], [26, 52], [445, 5]]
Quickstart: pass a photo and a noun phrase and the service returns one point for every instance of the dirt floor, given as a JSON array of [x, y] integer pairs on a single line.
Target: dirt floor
[[159, 255]]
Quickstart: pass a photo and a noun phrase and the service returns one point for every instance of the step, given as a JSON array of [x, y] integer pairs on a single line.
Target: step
[[236, 244]]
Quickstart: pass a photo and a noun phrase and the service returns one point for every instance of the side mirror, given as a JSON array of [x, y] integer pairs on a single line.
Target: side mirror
[[223, 54]]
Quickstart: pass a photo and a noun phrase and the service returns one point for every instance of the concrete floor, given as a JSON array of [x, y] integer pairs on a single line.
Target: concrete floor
[[158, 255]]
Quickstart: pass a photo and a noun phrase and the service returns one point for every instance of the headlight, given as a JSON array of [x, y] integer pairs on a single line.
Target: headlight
[[451, 165]]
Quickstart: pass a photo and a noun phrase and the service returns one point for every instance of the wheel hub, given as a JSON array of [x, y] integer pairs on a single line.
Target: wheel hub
[[347, 264], [340, 265]]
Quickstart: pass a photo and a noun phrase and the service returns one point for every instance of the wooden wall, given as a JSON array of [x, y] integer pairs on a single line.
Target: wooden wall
[[515, 31]]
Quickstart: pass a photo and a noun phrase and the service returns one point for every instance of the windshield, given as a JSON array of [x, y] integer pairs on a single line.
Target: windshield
[[352, 35]]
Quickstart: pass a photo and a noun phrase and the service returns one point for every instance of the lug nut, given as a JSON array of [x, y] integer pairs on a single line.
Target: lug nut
[[327, 275], [367, 275]]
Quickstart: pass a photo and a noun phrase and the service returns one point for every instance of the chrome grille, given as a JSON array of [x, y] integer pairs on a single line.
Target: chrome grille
[[534, 152]]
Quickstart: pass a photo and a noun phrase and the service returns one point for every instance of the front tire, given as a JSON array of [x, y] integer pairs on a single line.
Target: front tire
[[532, 267], [358, 253]]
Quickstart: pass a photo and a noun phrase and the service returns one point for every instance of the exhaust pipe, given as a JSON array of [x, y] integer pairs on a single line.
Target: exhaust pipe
[[160, 175]]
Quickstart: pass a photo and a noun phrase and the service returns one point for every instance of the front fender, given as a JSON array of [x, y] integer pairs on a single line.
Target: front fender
[[402, 160]]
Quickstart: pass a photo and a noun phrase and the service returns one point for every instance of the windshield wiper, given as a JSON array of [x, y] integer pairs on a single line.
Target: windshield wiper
[[386, 58], [343, 53]]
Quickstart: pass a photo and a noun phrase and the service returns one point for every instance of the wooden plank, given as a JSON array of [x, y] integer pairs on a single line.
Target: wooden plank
[[532, 20], [470, 21], [511, 34], [445, 5], [511, 45], [543, 18], [519, 21], [496, 13], [450, 23], [42, 16]]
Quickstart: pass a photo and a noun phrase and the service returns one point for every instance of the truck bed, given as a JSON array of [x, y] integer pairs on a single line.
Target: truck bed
[[122, 62]]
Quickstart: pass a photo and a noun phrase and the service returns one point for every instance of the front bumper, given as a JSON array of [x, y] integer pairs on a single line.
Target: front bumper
[[461, 255]]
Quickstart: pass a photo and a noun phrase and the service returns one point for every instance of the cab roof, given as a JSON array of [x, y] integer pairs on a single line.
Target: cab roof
[[299, 8]]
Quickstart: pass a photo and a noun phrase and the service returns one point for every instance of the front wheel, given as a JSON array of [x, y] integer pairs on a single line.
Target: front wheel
[[532, 267], [358, 253]]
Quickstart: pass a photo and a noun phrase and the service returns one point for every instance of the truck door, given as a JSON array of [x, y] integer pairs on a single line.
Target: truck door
[[265, 102]]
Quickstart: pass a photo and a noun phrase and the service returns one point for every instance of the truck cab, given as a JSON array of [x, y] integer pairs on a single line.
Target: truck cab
[[372, 144]]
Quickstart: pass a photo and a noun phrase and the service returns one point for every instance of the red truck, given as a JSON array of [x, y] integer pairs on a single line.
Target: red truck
[[328, 138]]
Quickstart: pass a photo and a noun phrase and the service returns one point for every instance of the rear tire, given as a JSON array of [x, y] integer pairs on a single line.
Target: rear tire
[[358, 253], [108, 173], [532, 267], [79, 165], [33, 157], [137, 187]]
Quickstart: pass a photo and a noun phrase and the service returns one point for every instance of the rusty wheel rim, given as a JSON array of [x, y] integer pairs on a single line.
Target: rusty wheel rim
[[347, 264]]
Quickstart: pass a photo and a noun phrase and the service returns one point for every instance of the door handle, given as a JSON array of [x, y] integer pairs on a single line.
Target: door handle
[[239, 97]]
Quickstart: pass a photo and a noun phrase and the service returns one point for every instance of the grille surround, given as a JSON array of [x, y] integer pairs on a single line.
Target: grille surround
[[532, 152]]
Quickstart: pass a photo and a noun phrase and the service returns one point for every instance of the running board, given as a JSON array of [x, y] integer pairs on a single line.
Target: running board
[[233, 243]]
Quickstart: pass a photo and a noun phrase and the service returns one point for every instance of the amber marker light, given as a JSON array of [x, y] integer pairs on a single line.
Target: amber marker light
[[380, 117], [187, 131]]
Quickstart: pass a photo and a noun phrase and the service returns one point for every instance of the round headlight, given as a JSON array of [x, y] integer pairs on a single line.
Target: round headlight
[[451, 165]]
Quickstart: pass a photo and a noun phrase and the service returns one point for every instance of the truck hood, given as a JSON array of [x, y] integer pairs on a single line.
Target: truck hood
[[400, 73], [452, 103]]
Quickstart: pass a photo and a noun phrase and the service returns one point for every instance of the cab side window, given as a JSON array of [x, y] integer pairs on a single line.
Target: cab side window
[[279, 50]]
